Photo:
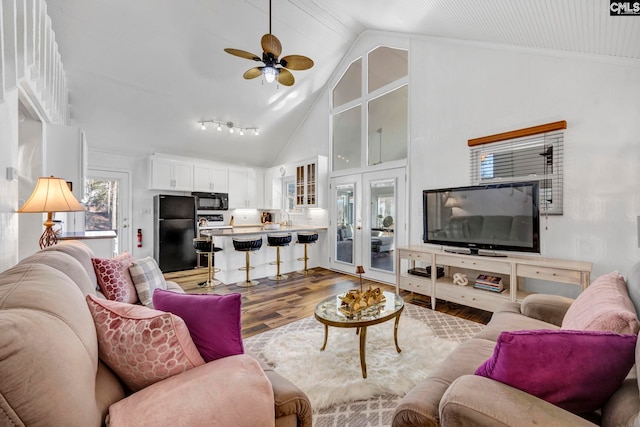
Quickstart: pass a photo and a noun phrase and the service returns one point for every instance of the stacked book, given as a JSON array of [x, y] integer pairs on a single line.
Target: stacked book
[[489, 283]]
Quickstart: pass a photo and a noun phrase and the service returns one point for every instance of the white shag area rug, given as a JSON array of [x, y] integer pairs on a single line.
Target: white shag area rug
[[335, 376], [333, 380]]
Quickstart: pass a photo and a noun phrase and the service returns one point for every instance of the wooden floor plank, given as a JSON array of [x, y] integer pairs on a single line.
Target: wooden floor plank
[[272, 304]]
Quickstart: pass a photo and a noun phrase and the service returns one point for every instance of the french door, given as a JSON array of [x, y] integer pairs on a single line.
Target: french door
[[108, 204], [368, 222]]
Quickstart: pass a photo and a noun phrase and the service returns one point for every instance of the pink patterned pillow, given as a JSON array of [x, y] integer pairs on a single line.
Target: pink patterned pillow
[[604, 306], [114, 278], [141, 345]]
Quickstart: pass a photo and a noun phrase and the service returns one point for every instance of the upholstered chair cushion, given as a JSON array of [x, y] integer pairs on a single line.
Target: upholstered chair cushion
[[604, 306], [147, 277], [79, 251], [49, 371], [142, 345], [213, 320], [233, 391], [114, 278], [575, 370]]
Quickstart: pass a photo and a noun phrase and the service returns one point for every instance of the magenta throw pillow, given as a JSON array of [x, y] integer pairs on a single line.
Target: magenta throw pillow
[[213, 320], [575, 370]]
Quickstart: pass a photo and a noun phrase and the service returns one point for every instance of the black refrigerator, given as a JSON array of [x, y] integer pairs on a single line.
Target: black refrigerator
[[174, 228]]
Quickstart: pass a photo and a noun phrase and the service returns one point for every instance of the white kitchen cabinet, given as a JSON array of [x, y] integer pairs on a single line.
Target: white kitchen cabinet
[[311, 183], [170, 174], [210, 178], [245, 188]]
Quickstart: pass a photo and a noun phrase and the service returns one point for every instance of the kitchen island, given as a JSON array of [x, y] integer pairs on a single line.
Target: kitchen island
[[229, 260]]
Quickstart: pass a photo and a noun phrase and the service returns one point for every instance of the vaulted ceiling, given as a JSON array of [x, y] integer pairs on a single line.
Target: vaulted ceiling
[[142, 73]]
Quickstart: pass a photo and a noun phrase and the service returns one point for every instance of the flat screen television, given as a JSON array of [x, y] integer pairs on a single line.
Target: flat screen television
[[495, 217]]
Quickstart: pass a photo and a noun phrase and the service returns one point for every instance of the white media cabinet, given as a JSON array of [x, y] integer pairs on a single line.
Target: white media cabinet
[[513, 269]]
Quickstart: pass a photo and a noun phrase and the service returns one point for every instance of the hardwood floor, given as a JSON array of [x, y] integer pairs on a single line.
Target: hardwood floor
[[272, 304]]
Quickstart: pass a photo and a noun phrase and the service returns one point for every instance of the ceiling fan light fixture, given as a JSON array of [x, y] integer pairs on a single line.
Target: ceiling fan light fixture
[[219, 128], [203, 127], [255, 132], [269, 73]]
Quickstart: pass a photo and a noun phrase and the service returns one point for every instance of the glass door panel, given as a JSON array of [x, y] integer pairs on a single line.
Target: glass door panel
[[365, 223], [345, 211], [346, 222], [107, 205], [382, 195], [385, 204]]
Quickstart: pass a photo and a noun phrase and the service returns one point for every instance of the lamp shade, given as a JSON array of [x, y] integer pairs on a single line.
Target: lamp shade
[[51, 195], [359, 269]]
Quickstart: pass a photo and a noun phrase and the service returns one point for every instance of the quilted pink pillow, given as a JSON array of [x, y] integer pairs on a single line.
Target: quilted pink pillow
[[575, 370], [114, 278], [141, 345], [604, 306]]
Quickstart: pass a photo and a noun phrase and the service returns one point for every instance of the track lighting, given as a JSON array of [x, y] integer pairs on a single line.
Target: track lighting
[[232, 128]]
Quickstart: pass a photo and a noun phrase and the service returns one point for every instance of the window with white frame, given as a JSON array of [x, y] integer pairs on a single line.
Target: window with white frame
[[531, 158]]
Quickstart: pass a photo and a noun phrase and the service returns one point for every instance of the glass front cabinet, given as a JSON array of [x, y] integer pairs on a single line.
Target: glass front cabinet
[[307, 180]]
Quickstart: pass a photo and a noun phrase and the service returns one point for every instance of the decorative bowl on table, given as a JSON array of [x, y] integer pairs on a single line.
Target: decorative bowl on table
[[271, 226], [362, 302]]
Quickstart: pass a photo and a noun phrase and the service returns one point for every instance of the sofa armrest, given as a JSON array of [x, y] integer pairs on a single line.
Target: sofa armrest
[[548, 308], [289, 399], [208, 395], [479, 401]]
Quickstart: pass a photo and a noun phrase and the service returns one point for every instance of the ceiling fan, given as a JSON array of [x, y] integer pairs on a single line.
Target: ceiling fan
[[274, 68]]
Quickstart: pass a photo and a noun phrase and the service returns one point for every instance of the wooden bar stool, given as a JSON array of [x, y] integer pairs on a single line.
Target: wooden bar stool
[[278, 240], [306, 238], [205, 246], [247, 245]]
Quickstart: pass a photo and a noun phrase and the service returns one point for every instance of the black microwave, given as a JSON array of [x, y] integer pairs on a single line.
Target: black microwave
[[211, 201]]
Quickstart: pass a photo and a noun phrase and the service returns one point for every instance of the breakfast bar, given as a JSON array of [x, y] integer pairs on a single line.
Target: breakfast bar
[[229, 260]]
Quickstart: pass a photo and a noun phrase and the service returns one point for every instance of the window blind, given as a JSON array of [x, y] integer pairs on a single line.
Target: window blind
[[531, 158]]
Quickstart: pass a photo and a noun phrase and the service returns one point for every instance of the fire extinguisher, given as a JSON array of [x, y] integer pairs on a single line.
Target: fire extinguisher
[[139, 237]]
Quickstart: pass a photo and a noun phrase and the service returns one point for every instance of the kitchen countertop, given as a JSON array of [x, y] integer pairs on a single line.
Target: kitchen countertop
[[243, 230], [80, 235]]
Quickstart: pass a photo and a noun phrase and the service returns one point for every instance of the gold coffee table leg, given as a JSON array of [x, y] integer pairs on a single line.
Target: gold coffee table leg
[[326, 335], [395, 333], [363, 343]]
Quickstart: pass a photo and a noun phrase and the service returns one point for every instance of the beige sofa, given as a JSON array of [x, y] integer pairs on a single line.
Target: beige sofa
[[50, 374], [453, 396]]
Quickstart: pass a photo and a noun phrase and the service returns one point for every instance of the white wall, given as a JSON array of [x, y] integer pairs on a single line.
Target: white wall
[[8, 189], [462, 91], [30, 165]]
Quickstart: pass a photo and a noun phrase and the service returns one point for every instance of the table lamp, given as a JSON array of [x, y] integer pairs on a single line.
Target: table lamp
[[50, 195]]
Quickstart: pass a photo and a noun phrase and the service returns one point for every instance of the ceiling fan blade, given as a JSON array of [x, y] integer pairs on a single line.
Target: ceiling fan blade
[[285, 78], [296, 62], [252, 73], [271, 44], [243, 54]]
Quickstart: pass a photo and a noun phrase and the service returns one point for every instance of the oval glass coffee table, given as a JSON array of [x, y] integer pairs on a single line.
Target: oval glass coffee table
[[329, 314]]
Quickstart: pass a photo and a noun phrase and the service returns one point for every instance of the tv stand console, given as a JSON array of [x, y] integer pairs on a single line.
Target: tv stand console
[[513, 269]]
